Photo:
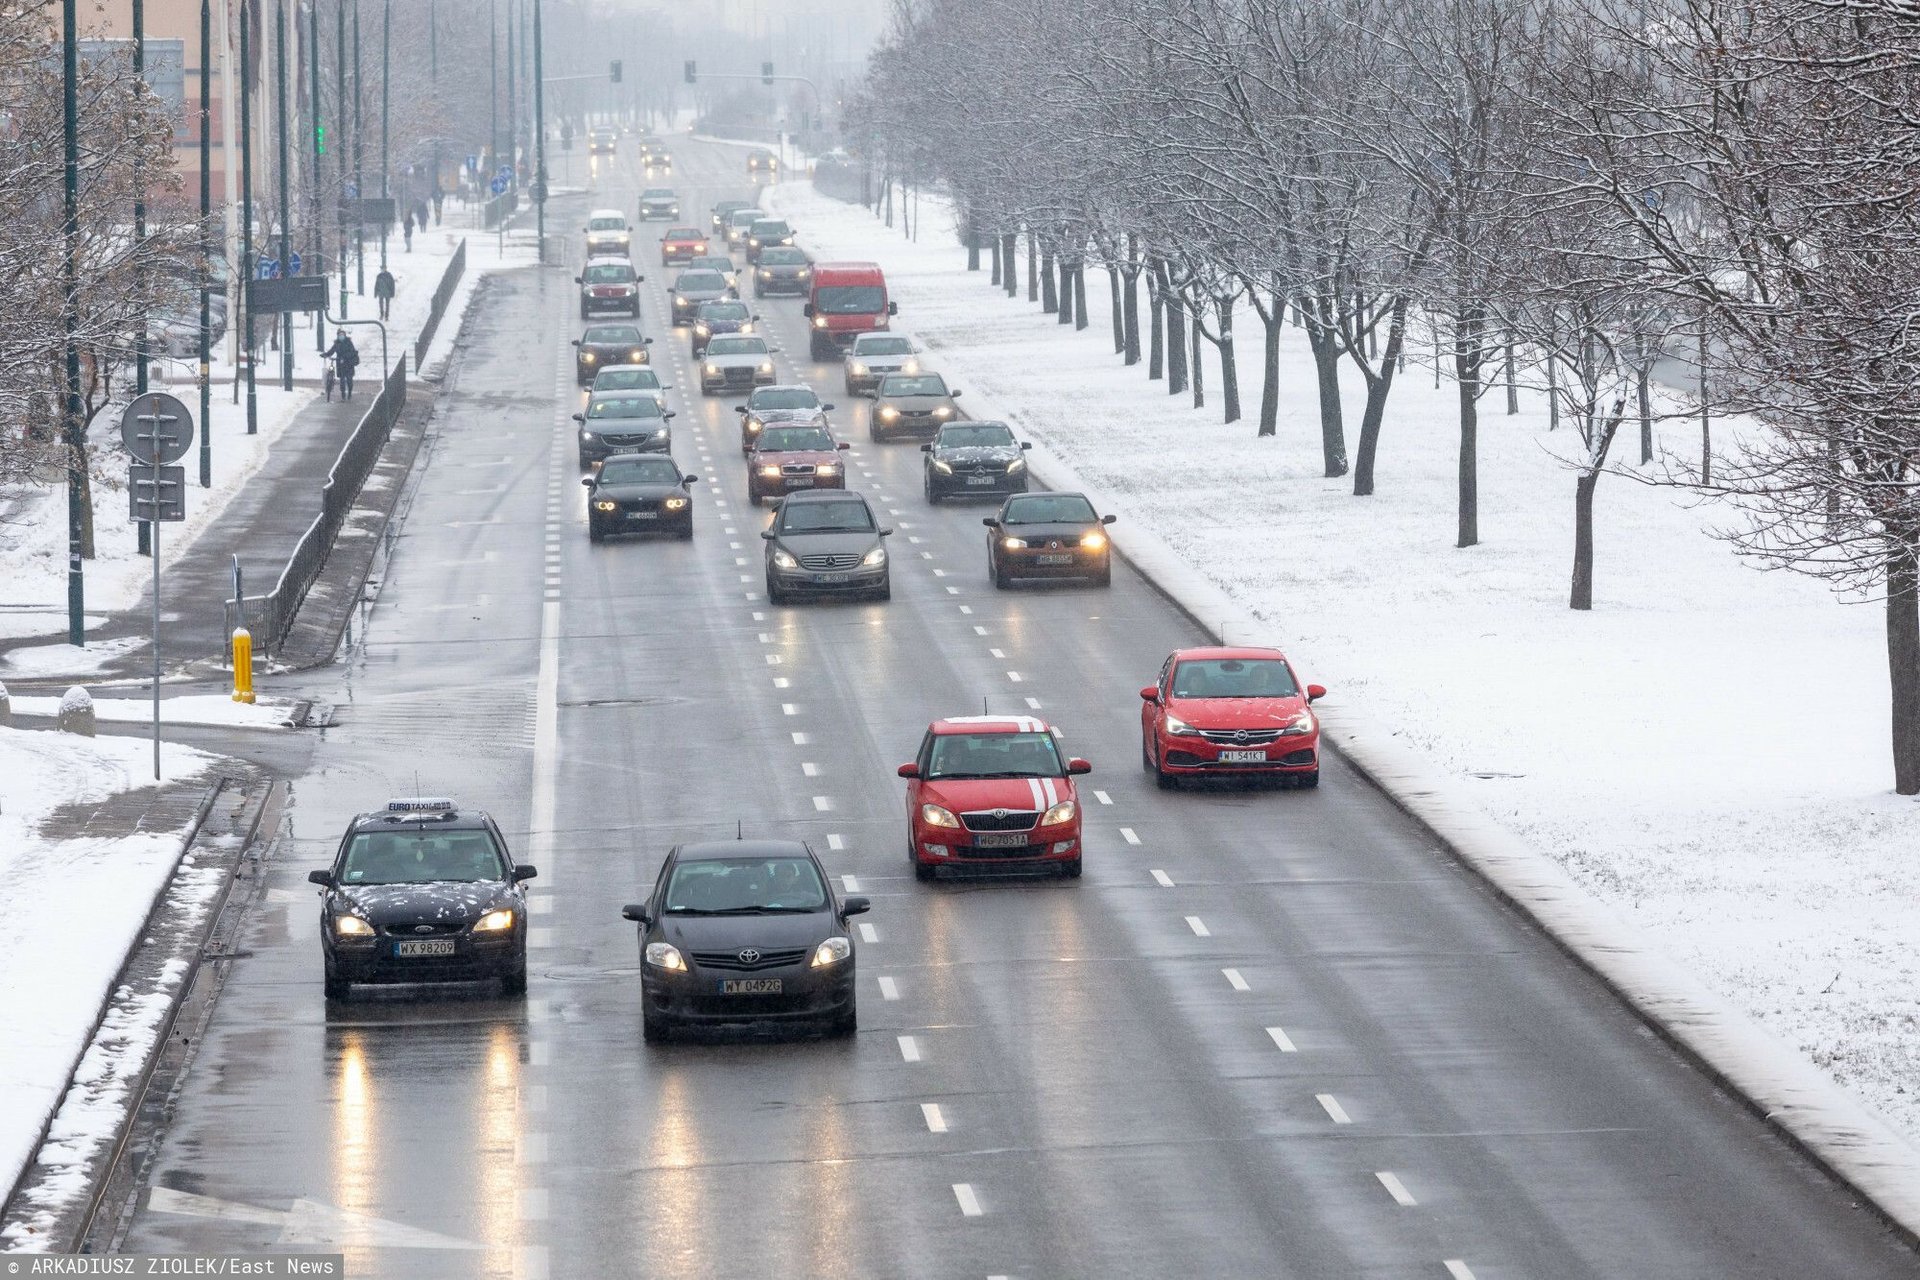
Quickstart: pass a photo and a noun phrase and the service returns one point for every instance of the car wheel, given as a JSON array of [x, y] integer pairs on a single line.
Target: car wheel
[[753, 496], [885, 591], [847, 1023], [1001, 578], [654, 1028], [1105, 578], [923, 872], [336, 988], [1162, 779], [583, 311], [515, 983], [1071, 869], [1307, 781], [874, 433], [1146, 761], [594, 532], [933, 494]]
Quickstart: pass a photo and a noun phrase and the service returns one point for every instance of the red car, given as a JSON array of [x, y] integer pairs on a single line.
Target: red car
[[682, 244], [1240, 712], [792, 456], [992, 792]]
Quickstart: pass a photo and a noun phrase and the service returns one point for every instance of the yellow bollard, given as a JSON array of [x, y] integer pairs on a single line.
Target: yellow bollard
[[242, 665]]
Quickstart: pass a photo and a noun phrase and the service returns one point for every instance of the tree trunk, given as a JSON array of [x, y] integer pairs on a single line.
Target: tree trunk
[[1010, 263], [1377, 388], [1079, 294], [1271, 322], [973, 251], [1194, 365], [1903, 666], [1130, 305], [1468, 361], [1645, 402], [1553, 393], [1033, 268], [1583, 540], [1513, 389], [1066, 289], [1229, 364], [1156, 338], [995, 246], [1325, 345], [1113, 309], [1176, 338]]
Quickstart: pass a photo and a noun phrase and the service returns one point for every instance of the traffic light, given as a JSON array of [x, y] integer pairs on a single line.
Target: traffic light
[[319, 139], [766, 73], [614, 70], [692, 75]]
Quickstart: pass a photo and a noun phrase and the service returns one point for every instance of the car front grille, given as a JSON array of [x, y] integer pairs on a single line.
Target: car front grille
[[995, 820], [731, 960], [835, 560], [1240, 737], [1017, 851], [627, 439], [433, 928], [797, 469]]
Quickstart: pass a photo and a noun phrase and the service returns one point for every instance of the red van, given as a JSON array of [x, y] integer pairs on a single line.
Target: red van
[[847, 300]]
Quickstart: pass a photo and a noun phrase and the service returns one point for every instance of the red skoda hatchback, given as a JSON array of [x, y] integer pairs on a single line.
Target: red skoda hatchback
[[992, 793], [1230, 711]]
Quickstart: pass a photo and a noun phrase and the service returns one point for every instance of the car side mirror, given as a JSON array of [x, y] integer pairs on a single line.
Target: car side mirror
[[990, 522], [689, 479], [926, 448], [579, 417], [893, 308], [753, 317], [525, 871], [322, 878], [739, 408], [1078, 766], [843, 445], [768, 535], [646, 342], [855, 906], [886, 533], [669, 413], [807, 310], [587, 481], [826, 408], [578, 280], [1108, 519], [636, 912], [1026, 444], [908, 771], [1315, 692], [953, 394], [574, 343], [1150, 694]]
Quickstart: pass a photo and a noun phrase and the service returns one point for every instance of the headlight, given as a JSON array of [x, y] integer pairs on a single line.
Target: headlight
[[934, 816], [753, 427], [700, 329], [636, 356], [783, 559], [754, 243], [943, 412], [587, 435], [1093, 541], [587, 357], [772, 472], [664, 434], [1014, 544], [674, 504], [859, 371], [827, 469], [664, 955], [713, 368], [889, 412], [766, 366], [1302, 723], [1018, 464], [875, 558], [1062, 812], [606, 506], [910, 366], [832, 951], [819, 322], [944, 467], [766, 275], [802, 273], [1180, 728], [351, 927], [494, 921]]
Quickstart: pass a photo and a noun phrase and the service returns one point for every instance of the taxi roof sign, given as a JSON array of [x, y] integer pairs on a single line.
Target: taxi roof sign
[[420, 804]]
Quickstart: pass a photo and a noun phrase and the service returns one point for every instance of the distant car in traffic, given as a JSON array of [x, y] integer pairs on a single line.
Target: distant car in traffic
[[1048, 535], [735, 361], [762, 162], [609, 286], [639, 494], [658, 158], [781, 270], [907, 403], [682, 244], [659, 202], [608, 344], [423, 891], [967, 458], [741, 932], [722, 208], [993, 793], [602, 142], [608, 233], [826, 544], [875, 355], [791, 459], [767, 233], [693, 287], [1232, 712], [739, 222], [714, 319], [795, 405], [619, 422], [711, 261], [635, 379]]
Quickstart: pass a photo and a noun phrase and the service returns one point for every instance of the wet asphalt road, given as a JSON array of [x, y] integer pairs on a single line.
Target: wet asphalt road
[[1270, 1033]]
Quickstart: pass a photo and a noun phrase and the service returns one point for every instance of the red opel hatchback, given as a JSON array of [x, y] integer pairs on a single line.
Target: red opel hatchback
[[1230, 711], [992, 793]]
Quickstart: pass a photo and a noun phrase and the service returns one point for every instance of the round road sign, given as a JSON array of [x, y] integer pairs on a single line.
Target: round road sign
[[156, 428]]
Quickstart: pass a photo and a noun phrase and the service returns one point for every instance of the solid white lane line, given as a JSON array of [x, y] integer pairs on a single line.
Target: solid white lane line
[[823, 803], [969, 1202], [868, 933], [1335, 1112], [809, 768], [1397, 1189], [889, 989], [1126, 833], [936, 1122], [839, 842], [1164, 880], [1234, 980], [1282, 1040], [1458, 1269], [1103, 797], [1199, 927], [909, 1049], [852, 883]]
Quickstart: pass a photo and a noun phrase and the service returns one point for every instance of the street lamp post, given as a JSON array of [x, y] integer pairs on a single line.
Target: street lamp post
[[286, 195], [245, 269], [340, 108], [139, 241], [539, 141], [493, 88], [206, 243], [318, 127], [433, 78], [513, 119], [70, 323], [359, 177], [386, 71]]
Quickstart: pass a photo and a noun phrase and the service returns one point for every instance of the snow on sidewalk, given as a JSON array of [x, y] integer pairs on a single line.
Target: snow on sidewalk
[[1706, 750]]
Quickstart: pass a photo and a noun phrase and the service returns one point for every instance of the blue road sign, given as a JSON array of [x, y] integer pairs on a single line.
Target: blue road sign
[[504, 171], [353, 191], [473, 162], [267, 268], [294, 259], [498, 186]]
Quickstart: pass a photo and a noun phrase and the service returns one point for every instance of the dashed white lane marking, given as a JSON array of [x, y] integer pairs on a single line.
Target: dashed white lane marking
[[1199, 927], [928, 555], [801, 739], [539, 1053], [851, 882], [1033, 704], [1282, 1040], [1335, 1112], [531, 1148], [979, 630], [969, 1202], [823, 803], [740, 561], [540, 906], [746, 577], [953, 591], [915, 541], [939, 573], [1396, 1189], [781, 682], [1103, 797], [734, 546], [1015, 676], [1458, 1269], [936, 1121], [534, 1097], [963, 608], [889, 989], [836, 842], [766, 637], [998, 653], [868, 933], [909, 1049], [530, 1262], [809, 768], [539, 937], [774, 659], [1161, 878], [531, 1204], [1234, 980], [789, 708], [1126, 833]]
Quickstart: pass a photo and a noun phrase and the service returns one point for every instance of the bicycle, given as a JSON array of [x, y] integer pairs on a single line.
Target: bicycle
[[326, 378]]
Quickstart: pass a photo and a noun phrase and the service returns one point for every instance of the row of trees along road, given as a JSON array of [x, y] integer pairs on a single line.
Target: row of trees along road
[[1554, 195]]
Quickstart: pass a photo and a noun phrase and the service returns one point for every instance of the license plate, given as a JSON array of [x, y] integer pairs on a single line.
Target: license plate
[[832, 579], [799, 484], [643, 515], [425, 947], [614, 451], [1011, 840], [1054, 560], [982, 481], [749, 986], [1243, 757]]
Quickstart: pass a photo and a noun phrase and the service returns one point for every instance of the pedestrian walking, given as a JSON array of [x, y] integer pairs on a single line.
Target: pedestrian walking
[[420, 214], [383, 292], [439, 197], [406, 230], [346, 358]]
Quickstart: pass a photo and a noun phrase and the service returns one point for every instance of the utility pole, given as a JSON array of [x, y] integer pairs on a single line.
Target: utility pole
[[493, 88], [206, 245], [433, 79], [386, 102], [318, 141], [286, 196], [245, 268], [230, 241], [340, 107], [359, 179], [539, 140], [70, 324], [145, 530], [513, 118]]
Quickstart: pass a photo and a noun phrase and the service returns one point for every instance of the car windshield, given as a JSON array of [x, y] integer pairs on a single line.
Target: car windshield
[[770, 230], [1234, 678], [639, 471], [421, 857], [607, 224], [850, 300], [724, 311], [995, 755], [1049, 508], [984, 435], [736, 346], [685, 233], [783, 398], [624, 407], [925, 384], [795, 439], [844, 515], [610, 273], [611, 335], [627, 380], [780, 256], [746, 886], [700, 282], [882, 347], [744, 217], [657, 193], [726, 207]]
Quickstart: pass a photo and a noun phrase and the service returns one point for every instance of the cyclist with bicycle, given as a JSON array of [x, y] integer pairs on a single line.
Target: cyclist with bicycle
[[345, 358]]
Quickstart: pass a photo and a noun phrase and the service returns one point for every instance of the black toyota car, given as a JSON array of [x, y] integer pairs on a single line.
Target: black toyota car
[[423, 891], [974, 457], [745, 931], [1048, 535], [605, 344], [639, 494]]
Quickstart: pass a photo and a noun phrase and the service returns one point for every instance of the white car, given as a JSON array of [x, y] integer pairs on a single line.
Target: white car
[[735, 361], [875, 355], [608, 233], [631, 380]]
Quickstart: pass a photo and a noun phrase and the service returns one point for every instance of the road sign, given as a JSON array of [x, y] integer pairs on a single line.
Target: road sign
[[504, 171], [353, 191], [293, 260], [156, 427], [157, 493], [267, 269], [498, 186], [299, 293], [473, 162]]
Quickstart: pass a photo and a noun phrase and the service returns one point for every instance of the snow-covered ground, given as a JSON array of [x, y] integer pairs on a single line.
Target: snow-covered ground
[[64, 959], [217, 710], [1706, 750]]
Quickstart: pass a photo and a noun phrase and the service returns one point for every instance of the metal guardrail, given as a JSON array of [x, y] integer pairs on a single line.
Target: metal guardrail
[[442, 294]]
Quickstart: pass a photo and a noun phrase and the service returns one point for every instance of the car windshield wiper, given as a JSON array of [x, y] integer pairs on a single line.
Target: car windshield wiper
[[756, 911], [1012, 773]]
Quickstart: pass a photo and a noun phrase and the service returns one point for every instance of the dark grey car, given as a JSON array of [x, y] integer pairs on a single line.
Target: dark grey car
[[827, 543], [910, 402], [623, 422], [692, 288], [783, 269], [974, 458]]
